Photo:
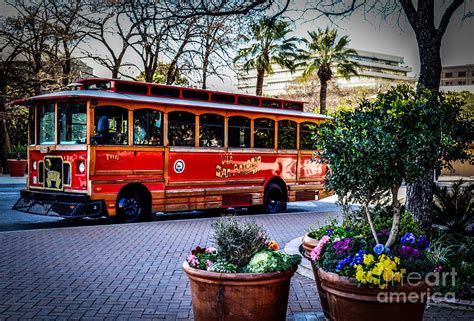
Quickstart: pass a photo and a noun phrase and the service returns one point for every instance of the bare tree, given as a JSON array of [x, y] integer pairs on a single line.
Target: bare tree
[[218, 35], [68, 31], [152, 30], [109, 24]]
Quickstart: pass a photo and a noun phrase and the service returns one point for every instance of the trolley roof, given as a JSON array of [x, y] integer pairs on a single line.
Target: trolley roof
[[131, 91]]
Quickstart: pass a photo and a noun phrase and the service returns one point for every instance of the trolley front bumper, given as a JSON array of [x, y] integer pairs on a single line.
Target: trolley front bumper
[[67, 205]]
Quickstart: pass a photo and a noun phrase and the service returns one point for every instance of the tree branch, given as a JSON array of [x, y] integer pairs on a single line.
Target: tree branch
[[410, 12], [443, 25]]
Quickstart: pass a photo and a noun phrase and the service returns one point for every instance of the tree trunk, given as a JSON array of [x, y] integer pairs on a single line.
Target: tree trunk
[[419, 193], [205, 65], [260, 76], [419, 198], [396, 217], [322, 96], [4, 137], [369, 219]]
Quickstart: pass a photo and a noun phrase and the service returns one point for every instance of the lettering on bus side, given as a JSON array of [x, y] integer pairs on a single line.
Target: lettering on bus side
[[230, 168], [112, 157]]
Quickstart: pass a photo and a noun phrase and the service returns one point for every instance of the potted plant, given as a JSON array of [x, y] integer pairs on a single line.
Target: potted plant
[[18, 164], [244, 277], [370, 151]]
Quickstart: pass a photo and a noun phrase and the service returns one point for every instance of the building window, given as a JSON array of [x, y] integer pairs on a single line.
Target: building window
[[110, 126], [239, 131], [264, 133], [449, 75], [147, 127], [211, 130], [461, 83], [286, 134], [182, 128], [462, 74]]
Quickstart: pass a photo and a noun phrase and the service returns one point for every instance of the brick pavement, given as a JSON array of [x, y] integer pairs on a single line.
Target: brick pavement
[[129, 271]]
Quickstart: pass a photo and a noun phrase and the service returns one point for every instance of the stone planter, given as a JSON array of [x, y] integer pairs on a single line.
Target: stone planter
[[348, 302], [309, 244], [239, 296], [17, 167]]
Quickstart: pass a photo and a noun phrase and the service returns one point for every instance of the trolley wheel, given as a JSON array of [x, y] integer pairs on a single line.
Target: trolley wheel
[[130, 208], [274, 199]]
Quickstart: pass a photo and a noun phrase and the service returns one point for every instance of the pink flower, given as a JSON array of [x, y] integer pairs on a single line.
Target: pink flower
[[193, 260], [208, 264], [316, 252], [211, 250]]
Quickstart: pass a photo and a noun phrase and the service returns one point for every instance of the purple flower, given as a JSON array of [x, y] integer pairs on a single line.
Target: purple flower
[[405, 250], [383, 233], [408, 238], [342, 246], [438, 268], [348, 228], [423, 243], [329, 231], [379, 249]]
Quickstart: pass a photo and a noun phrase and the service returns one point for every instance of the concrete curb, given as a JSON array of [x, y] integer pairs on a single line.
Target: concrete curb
[[304, 268]]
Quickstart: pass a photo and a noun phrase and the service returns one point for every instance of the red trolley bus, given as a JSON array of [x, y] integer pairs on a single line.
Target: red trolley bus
[[128, 149]]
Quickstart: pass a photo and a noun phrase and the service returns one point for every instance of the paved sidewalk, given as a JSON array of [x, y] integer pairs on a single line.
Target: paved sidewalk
[[9, 181], [131, 271]]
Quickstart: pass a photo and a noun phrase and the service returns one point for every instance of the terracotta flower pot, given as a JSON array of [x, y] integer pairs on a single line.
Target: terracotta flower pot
[[309, 244], [239, 296], [17, 167], [349, 302]]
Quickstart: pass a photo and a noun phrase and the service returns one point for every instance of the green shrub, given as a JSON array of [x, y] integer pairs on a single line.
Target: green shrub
[[454, 209], [238, 241]]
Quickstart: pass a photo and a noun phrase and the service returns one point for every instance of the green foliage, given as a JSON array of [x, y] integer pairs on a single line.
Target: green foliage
[[454, 208], [268, 44], [453, 251], [160, 75], [238, 241], [17, 126], [222, 266], [272, 261], [325, 53], [397, 137]]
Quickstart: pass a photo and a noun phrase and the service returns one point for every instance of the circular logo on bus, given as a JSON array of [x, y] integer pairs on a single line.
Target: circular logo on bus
[[179, 166]]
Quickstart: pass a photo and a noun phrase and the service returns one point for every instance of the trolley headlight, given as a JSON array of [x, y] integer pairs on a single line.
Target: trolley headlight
[[82, 167], [34, 165]]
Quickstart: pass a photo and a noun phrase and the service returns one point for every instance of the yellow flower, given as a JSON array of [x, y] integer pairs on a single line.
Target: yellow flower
[[397, 276], [388, 275], [383, 286], [368, 259], [360, 276], [378, 269], [397, 259]]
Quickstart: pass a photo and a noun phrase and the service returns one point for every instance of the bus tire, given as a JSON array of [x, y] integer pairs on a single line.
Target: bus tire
[[130, 208], [274, 201]]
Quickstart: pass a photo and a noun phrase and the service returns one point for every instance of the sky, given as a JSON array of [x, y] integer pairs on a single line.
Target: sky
[[369, 33]]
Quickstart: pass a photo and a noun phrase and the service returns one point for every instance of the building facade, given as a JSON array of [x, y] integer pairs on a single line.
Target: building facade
[[373, 68], [457, 78]]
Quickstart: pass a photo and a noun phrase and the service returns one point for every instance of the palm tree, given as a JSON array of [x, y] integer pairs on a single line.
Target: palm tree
[[267, 45], [324, 55]]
